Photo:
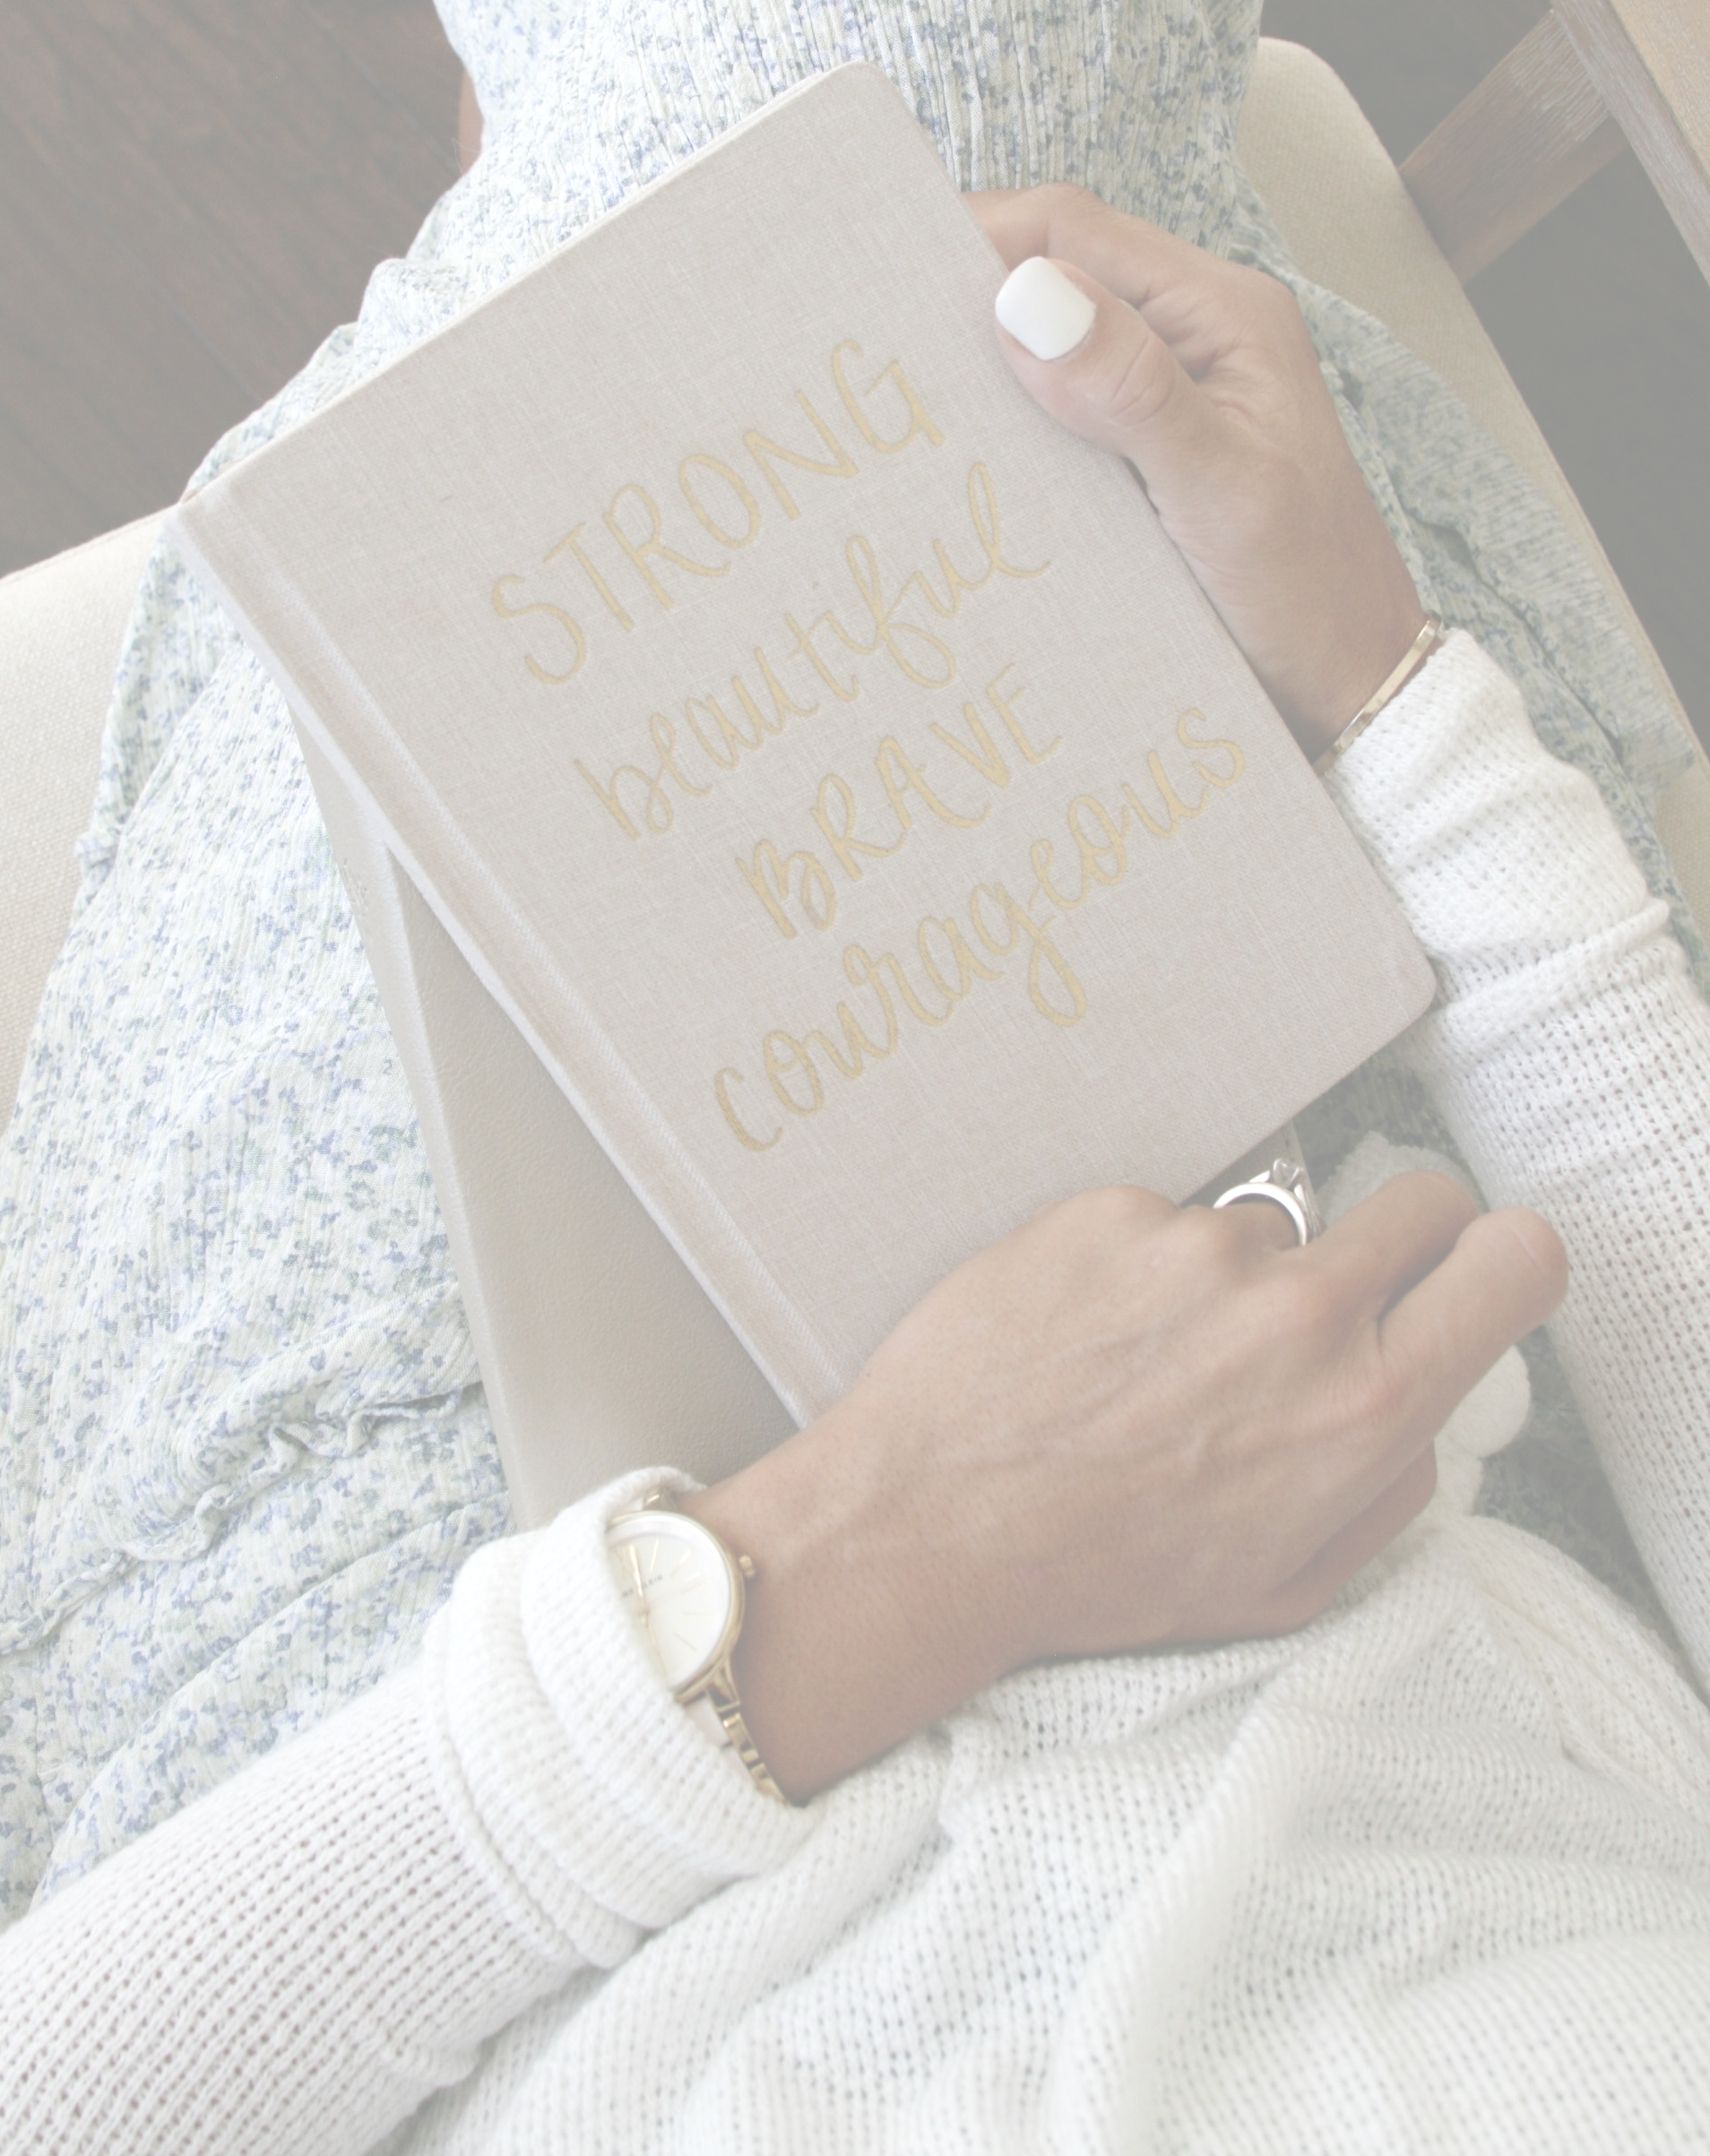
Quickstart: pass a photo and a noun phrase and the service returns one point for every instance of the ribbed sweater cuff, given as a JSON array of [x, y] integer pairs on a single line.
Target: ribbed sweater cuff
[[594, 1806], [1457, 699], [1505, 863]]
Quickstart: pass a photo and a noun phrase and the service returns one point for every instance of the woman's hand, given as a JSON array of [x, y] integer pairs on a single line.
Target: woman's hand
[[1202, 373], [1124, 1426], [1128, 1426]]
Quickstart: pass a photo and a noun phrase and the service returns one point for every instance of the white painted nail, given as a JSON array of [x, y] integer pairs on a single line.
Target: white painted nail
[[1041, 309]]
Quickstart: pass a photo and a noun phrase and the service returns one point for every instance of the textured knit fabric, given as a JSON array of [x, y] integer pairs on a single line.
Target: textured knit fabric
[[245, 1447], [1434, 1873]]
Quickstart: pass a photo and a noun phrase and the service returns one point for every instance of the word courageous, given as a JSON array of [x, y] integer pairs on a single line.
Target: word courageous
[[952, 954], [713, 740], [633, 543]]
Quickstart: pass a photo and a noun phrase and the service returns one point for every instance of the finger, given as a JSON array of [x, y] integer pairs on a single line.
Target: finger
[[1184, 291], [1381, 1248], [1504, 1277], [1353, 1547], [1100, 368], [1260, 1224]]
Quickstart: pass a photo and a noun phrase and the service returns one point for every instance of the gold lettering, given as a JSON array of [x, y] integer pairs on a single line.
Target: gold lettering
[[769, 875], [1189, 741], [919, 422], [984, 756], [657, 813], [969, 969], [1104, 859], [1002, 701], [860, 971], [899, 775], [842, 839], [855, 1041], [665, 741], [1039, 854], [782, 1063], [639, 550], [769, 880], [841, 465], [615, 605], [739, 487], [1044, 952], [805, 645], [1176, 810], [905, 990], [864, 569], [978, 917], [784, 708], [989, 527], [507, 612], [751, 710], [744, 1136], [734, 740]]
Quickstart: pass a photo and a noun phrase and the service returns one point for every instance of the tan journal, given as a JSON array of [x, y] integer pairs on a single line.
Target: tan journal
[[730, 696]]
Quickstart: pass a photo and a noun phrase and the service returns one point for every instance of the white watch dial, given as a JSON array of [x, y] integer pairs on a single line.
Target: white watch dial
[[677, 1582]]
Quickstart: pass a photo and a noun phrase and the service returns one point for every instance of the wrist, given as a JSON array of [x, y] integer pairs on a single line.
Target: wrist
[[856, 1634], [1360, 660]]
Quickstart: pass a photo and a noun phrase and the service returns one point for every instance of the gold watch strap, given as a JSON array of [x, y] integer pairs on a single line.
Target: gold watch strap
[[718, 1688]]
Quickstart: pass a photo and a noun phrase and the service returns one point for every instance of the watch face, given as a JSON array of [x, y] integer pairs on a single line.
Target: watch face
[[674, 1578]]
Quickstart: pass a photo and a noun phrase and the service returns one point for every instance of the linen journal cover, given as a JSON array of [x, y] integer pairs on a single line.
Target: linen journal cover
[[824, 759]]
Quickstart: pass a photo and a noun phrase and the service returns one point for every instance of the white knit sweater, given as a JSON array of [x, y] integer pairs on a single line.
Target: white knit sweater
[[1435, 1873]]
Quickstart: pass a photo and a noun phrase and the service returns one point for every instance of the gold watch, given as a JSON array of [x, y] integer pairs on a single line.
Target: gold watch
[[688, 1593]]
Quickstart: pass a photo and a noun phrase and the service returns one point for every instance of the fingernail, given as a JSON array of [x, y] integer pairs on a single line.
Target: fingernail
[[1041, 309]]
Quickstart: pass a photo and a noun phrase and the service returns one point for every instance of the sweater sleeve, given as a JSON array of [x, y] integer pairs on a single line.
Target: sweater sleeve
[[298, 1960], [1570, 1055]]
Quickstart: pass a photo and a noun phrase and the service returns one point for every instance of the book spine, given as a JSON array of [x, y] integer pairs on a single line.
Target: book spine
[[598, 1350]]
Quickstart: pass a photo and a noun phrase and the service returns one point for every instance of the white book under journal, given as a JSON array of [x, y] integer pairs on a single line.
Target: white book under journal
[[824, 763]]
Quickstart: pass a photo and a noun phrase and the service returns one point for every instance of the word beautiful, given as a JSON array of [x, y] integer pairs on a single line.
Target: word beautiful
[[950, 958], [638, 561]]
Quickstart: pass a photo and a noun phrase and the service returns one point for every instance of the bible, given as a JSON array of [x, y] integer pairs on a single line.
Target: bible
[[803, 815]]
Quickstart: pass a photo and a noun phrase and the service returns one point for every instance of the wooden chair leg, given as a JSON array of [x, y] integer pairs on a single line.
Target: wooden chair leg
[[1535, 130], [1651, 61]]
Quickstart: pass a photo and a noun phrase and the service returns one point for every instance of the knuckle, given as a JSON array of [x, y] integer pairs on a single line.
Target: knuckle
[[1113, 1212], [1133, 386], [1069, 208], [1206, 1241], [1279, 310]]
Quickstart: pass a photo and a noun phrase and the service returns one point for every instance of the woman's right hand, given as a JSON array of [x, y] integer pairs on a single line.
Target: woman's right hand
[[1126, 1426]]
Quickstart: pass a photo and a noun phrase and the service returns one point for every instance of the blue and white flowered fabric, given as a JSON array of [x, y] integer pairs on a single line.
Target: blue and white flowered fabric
[[245, 1443]]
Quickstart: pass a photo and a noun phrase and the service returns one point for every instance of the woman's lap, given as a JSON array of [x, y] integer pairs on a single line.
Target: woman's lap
[[246, 1445]]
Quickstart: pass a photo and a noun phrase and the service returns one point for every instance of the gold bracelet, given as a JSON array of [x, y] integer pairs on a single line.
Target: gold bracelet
[[1428, 641]]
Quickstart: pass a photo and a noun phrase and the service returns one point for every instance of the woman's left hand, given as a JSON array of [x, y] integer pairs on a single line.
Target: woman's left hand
[[1202, 373]]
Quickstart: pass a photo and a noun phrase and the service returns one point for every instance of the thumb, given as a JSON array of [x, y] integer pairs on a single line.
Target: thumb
[[1093, 362]]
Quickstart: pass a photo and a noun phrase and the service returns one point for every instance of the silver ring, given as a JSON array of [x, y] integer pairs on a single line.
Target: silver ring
[[1287, 1183]]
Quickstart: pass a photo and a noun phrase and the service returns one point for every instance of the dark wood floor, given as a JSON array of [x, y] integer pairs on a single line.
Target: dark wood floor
[[192, 192], [192, 195]]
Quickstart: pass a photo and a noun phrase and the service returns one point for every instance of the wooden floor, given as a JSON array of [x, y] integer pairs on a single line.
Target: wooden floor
[[192, 195], [192, 192]]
